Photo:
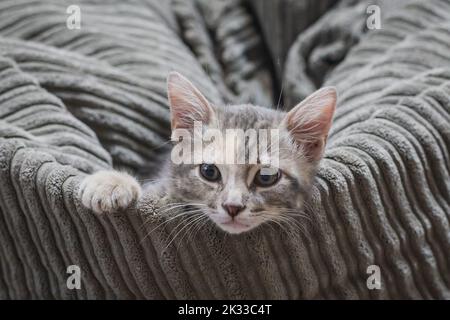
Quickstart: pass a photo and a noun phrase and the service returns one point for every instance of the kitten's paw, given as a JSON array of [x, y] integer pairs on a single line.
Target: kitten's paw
[[109, 191]]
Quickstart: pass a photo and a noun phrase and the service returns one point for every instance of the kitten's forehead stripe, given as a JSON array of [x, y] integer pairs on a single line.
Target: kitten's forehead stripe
[[248, 117]]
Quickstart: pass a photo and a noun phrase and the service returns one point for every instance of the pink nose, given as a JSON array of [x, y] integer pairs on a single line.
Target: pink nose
[[233, 209]]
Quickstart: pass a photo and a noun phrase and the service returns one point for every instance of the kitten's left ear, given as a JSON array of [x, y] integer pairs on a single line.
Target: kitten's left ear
[[309, 122], [187, 104]]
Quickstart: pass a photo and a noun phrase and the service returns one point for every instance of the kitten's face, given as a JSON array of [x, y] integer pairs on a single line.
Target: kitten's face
[[239, 197]]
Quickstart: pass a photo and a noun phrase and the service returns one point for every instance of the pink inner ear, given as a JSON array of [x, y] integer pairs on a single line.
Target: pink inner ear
[[310, 121], [183, 115], [187, 104], [310, 138]]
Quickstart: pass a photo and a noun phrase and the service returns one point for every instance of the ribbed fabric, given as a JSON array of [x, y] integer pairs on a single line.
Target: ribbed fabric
[[76, 101], [282, 21]]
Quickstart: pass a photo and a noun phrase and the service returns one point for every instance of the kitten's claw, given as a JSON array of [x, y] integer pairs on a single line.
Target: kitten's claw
[[109, 191]]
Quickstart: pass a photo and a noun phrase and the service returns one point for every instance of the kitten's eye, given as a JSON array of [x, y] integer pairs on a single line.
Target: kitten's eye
[[210, 172], [267, 180]]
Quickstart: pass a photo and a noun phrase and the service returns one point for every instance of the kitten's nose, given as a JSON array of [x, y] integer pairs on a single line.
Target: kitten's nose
[[233, 209]]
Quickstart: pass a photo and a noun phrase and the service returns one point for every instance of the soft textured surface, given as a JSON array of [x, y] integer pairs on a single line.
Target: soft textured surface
[[75, 101]]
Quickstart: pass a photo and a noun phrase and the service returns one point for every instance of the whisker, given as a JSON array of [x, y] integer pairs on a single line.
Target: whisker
[[156, 179], [285, 223], [281, 93], [180, 206], [184, 213], [192, 227], [180, 223], [191, 221], [176, 216], [199, 226], [160, 214], [294, 223]]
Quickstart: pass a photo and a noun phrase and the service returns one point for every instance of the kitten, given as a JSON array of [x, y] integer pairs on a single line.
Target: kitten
[[237, 197]]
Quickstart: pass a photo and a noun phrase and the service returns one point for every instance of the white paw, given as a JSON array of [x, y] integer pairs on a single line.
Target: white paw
[[109, 191]]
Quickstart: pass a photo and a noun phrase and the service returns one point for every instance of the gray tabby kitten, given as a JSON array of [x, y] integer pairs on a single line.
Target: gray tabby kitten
[[237, 197]]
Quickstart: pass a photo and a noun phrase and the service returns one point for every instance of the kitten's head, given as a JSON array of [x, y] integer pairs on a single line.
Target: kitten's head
[[239, 197]]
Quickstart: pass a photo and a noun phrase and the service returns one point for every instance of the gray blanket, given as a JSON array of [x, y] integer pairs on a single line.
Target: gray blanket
[[76, 101]]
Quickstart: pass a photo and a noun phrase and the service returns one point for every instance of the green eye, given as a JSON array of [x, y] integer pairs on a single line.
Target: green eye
[[267, 179], [210, 172]]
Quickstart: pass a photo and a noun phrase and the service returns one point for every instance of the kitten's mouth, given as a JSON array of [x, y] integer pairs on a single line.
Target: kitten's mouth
[[234, 226]]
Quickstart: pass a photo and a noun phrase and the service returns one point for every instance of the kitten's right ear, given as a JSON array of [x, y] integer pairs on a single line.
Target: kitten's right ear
[[187, 104]]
